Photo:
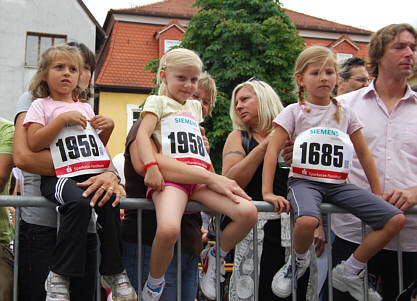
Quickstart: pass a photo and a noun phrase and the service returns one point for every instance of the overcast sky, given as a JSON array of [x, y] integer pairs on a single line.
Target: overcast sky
[[366, 14]]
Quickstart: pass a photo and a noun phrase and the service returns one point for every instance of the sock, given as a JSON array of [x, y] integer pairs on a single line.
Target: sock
[[302, 256], [223, 253], [155, 282], [354, 266]]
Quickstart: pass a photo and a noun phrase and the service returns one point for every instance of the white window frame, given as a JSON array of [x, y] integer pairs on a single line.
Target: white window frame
[[130, 110], [168, 44], [40, 37], [343, 56]]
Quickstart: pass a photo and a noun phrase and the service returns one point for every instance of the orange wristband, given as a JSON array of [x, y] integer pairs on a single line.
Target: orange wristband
[[145, 168]]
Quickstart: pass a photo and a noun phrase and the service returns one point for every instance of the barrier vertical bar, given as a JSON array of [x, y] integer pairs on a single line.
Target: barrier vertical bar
[[98, 257], [218, 297], [329, 257], [400, 263], [139, 259], [179, 270], [16, 252], [365, 277], [255, 259], [293, 277]]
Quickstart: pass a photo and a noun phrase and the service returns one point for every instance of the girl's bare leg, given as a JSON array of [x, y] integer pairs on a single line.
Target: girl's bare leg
[[169, 206], [243, 215]]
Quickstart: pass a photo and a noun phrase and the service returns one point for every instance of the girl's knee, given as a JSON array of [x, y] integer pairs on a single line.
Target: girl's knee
[[396, 222], [248, 213], [168, 234], [307, 222]]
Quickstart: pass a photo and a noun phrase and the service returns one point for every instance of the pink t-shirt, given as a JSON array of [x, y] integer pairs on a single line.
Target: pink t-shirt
[[44, 110], [295, 120]]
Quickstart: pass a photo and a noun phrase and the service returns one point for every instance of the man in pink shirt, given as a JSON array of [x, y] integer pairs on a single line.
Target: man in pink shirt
[[388, 110]]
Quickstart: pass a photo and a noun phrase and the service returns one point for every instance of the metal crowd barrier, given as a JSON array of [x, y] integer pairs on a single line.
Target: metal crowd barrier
[[143, 204]]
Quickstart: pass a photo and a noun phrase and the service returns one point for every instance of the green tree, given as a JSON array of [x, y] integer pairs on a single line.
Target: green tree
[[237, 40]]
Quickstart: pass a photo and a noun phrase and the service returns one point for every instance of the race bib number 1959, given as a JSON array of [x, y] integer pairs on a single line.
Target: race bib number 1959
[[322, 154], [76, 151]]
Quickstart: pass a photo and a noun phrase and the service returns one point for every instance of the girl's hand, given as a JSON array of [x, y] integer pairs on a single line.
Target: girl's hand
[[287, 152], [319, 240], [102, 123], [154, 179], [205, 140], [227, 187], [74, 117], [280, 203]]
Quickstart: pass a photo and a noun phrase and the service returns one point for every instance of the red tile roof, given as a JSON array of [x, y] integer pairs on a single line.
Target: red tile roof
[[130, 48], [182, 8], [172, 8], [303, 21], [132, 45]]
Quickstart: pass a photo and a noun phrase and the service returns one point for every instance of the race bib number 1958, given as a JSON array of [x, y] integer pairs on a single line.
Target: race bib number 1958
[[182, 140], [76, 151], [322, 154]]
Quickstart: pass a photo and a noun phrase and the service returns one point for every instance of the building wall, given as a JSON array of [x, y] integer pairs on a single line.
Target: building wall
[[171, 34], [343, 47], [115, 105], [17, 17]]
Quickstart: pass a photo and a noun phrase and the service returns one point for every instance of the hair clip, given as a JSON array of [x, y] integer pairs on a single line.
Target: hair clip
[[303, 107]]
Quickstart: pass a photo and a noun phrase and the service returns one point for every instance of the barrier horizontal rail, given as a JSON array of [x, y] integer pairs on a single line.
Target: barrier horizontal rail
[[141, 203], [144, 204]]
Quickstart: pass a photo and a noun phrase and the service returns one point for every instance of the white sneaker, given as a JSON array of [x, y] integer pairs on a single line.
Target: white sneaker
[[353, 284], [120, 286], [208, 279], [281, 283], [57, 287]]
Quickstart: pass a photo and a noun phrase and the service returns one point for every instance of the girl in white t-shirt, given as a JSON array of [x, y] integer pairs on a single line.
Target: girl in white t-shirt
[[59, 121], [172, 118], [324, 131]]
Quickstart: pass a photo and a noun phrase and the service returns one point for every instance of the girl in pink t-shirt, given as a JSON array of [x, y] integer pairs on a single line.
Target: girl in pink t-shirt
[[59, 121], [324, 132]]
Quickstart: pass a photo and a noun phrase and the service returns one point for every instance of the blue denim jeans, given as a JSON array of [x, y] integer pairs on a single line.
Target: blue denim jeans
[[189, 278], [35, 257]]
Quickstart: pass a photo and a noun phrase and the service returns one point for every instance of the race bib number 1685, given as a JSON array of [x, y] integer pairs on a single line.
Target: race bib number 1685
[[322, 154]]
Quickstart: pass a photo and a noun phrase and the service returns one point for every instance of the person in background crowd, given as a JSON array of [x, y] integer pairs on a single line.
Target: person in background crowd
[[6, 227], [38, 224], [352, 75], [253, 107], [387, 108]]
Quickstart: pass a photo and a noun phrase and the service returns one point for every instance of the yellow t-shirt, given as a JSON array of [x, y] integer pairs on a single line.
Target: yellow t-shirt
[[163, 106]]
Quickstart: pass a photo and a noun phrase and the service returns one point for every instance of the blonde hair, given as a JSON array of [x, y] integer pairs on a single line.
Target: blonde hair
[[209, 85], [38, 86], [178, 57], [269, 106], [309, 56]]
